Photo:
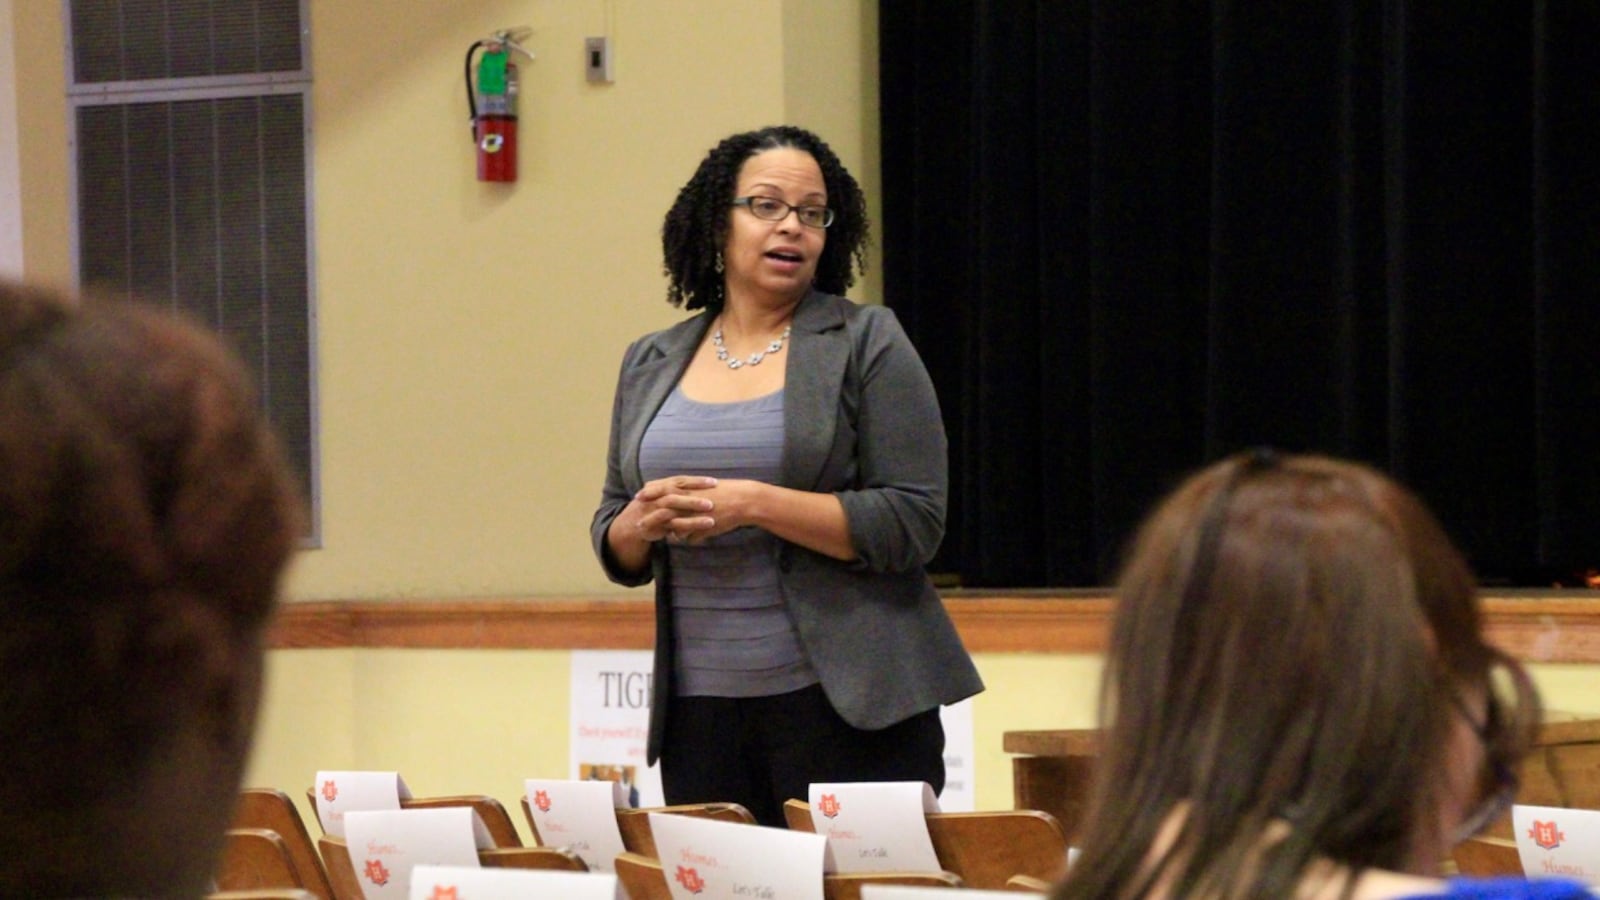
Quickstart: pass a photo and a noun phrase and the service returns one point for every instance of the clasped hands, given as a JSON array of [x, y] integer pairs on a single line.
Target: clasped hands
[[678, 510]]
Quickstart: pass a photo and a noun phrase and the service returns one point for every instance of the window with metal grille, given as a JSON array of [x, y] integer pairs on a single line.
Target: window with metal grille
[[189, 121]]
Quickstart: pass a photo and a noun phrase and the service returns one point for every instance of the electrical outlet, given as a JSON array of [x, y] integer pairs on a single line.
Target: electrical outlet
[[597, 59]]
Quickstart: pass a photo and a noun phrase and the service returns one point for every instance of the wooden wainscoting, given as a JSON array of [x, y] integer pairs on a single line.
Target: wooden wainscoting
[[1535, 626]]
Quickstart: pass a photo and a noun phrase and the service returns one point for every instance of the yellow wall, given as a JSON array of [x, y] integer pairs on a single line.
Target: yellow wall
[[42, 152], [469, 334]]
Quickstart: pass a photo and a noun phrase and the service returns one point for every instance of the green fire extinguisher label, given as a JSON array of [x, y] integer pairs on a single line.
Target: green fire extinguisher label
[[492, 72]]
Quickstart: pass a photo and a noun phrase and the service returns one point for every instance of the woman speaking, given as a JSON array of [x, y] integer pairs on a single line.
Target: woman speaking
[[777, 467]]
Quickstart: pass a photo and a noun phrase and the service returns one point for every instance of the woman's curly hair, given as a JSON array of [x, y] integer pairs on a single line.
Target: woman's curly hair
[[697, 223]]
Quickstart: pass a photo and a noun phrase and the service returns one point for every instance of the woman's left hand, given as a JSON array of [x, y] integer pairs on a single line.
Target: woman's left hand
[[813, 520]]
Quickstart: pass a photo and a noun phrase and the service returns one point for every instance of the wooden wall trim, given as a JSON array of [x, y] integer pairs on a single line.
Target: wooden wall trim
[[1536, 626]]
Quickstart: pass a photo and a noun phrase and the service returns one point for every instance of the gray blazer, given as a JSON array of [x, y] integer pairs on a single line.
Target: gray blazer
[[860, 420]]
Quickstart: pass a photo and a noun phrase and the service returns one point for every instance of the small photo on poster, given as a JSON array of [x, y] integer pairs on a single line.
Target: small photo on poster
[[624, 775]]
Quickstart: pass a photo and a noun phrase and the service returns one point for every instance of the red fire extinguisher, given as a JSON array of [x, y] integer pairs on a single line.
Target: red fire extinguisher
[[492, 105]]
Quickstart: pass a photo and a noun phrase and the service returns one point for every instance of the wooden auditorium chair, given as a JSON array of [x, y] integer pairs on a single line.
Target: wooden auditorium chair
[[495, 818], [634, 824], [347, 884], [256, 858], [273, 810], [984, 848], [848, 885], [493, 813], [1486, 856], [1028, 884], [645, 878], [341, 870], [555, 859], [642, 877]]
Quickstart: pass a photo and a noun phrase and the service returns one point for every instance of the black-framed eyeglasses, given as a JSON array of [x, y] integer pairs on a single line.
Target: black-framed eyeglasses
[[774, 210], [1499, 784]]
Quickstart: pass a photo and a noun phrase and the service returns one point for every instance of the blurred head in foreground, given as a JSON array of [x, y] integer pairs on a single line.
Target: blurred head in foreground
[[146, 517], [1297, 692]]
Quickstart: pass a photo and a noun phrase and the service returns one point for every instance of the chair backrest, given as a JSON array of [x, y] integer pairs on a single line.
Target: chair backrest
[[797, 813], [493, 813], [263, 894], [847, 885], [642, 876], [527, 815], [256, 858], [1487, 857], [557, 859], [635, 823], [347, 885], [272, 809], [1028, 884], [341, 870], [495, 818], [985, 848]]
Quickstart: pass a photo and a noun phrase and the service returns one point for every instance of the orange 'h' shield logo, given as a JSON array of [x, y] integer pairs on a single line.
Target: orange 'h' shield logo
[[690, 879], [1546, 834], [376, 873], [828, 805]]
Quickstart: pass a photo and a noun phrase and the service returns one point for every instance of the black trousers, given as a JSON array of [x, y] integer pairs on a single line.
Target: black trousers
[[761, 751]]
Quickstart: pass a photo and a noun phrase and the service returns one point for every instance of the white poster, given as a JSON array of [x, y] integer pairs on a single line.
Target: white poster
[[610, 721], [960, 782], [611, 718]]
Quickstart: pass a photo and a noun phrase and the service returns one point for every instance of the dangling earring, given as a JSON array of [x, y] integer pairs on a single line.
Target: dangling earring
[[719, 262]]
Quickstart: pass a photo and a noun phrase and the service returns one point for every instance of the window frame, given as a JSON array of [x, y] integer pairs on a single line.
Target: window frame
[[215, 87]]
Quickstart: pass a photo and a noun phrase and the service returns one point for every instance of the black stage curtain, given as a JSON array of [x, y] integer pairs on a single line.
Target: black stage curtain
[[1130, 237]]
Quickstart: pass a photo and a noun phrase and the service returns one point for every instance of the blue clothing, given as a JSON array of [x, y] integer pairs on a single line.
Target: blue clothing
[[734, 635], [1511, 889]]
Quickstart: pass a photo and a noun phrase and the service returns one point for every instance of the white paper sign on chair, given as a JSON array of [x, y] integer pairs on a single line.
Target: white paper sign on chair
[[430, 882], [704, 859], [909, 892], [385, 845], [876, 826], [579, 815], [1558, 842], [340, 792]]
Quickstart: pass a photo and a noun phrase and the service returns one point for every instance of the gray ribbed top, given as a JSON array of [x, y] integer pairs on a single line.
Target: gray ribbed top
[[734, 637]]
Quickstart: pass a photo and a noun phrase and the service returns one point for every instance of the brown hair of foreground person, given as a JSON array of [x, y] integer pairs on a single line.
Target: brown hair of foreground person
[[1297, 694], [146, 516]]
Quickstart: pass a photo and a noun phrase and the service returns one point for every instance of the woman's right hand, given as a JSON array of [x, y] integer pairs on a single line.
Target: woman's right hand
[[669, 509], [664, 509]]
